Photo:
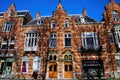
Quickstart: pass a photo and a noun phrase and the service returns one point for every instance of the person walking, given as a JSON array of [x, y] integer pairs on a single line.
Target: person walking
[[34, 75]]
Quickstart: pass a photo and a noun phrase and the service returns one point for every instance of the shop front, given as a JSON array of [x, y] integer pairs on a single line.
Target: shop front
[[92, 68]]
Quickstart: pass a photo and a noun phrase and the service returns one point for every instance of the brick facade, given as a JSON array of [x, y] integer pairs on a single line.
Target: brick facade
[[68, 46]]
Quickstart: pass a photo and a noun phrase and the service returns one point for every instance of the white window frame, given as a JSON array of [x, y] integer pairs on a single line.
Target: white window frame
[[11, 42], [95, 40], [117, 36], [66, 23], [26, 59], [53, 24], [7, 27], [4, 43], [82, 19], [117, 57], [67, 35], [52, 37], [36, 63], [29, 37]]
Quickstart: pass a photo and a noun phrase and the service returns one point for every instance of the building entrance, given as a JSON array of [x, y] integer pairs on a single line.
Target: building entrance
[[92, 68]]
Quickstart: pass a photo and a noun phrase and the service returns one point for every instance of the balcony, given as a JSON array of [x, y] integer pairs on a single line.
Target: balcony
[[90, 50], [30, 49]]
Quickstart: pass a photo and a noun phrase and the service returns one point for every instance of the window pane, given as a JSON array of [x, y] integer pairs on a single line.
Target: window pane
[[53, 43], [50, 57], [4, 46], [24, 66], [36, 63], [67, 41], [70, 57], [54, 58], [50, 68], [70, 68], [11, 46], [65, 57], [55, 68], [66, 67]]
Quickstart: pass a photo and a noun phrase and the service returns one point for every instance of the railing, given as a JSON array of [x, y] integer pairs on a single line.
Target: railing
[[90, 50]]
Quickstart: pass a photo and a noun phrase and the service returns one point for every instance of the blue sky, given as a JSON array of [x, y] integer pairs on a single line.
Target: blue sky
[[94, 8]]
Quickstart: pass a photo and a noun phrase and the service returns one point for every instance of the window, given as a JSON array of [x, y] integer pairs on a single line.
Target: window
[[31, 42], [117, 57], [118, 64], [53, 57], [117, 36], [68, 67], [36, 63], [50, 68], [111, 38], [11, 43], [67, 39], [25, 63], [81, 19], [68, 57], [66, 23], [4, 43], [90, 40], [39, 22], [53, 24], [52, 43], [115, 16], [7, 27], [10, 13]]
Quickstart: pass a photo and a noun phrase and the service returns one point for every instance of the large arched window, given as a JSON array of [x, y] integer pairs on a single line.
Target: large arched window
[[115, 16], [25, 63], [36, 63]]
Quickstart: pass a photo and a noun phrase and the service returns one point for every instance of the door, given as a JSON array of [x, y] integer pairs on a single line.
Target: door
[[53, 70], [68, 69]]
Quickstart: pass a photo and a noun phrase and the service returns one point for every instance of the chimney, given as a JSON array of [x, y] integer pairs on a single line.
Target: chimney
[[111, 0], [38, 15], [84, 12]]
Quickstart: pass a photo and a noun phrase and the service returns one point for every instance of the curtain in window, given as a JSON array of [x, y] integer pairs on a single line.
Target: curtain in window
[[25, 64]]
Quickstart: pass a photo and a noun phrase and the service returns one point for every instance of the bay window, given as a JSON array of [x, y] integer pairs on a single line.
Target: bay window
[[31, 41]]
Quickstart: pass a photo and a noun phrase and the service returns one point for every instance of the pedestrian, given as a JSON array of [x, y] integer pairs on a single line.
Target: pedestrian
[[34, 75]]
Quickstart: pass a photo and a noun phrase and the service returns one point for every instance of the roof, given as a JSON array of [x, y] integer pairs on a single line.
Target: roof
[[36, 21], [78, 20], [1, 14], [19, 13]]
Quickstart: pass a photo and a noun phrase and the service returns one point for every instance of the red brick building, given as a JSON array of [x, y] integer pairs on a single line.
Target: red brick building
[[60, 46]]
